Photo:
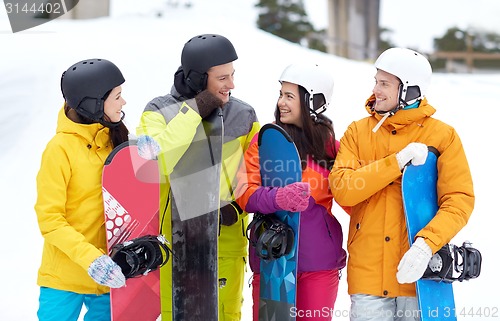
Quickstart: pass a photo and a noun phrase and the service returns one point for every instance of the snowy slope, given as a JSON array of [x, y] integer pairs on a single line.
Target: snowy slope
[[147, 50]]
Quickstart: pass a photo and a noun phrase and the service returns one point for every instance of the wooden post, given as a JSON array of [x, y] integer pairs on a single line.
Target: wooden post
[[469, 60]]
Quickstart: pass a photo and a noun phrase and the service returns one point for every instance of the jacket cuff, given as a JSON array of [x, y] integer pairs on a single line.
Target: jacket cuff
[[263, 200]]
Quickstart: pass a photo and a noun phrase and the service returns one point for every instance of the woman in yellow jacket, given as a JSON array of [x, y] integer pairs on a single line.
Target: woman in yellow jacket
[[69, 207], [382, 268]]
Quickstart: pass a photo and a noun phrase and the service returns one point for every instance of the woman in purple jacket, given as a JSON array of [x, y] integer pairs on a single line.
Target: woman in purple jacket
[[305, 93]]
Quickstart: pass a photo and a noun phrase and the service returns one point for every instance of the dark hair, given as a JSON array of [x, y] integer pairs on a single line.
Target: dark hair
[[118, 134], [316, 136]]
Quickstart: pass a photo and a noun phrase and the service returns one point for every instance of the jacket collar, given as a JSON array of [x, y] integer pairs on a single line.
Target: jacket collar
[[402, 117], [92, 133]]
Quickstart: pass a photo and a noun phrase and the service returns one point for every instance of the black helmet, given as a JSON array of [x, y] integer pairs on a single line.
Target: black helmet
[[86, 84], [201, 53]]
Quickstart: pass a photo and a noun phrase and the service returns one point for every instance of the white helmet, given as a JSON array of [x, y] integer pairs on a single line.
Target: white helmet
[[411, 67], [315, 80]]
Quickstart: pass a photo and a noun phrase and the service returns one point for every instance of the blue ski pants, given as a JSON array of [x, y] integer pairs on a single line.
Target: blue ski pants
[[59, 305], [369, 307]]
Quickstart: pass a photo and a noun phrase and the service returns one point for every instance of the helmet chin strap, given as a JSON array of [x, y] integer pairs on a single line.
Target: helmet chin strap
[[386, 114], [314, 113], [112, 124]]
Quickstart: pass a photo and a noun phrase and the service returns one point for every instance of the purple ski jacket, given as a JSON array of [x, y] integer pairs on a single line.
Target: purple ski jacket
[[320, 235]]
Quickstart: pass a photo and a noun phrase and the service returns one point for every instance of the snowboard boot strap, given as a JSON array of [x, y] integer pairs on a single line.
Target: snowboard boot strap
[[470, 267], [464, 260], [254, 228], [440, 267], [141, 255], [271, 237]]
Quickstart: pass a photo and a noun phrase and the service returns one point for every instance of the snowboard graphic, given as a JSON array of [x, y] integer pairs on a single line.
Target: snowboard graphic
[[435, 299], [279, 166], [195, 186], [130, 188]]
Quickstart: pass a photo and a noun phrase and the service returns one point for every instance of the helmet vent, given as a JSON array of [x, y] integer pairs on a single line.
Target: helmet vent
[[85, 83]]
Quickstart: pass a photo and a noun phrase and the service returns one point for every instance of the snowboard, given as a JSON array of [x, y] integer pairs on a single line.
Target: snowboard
[[130, 188], [195, 186], [280, 165], [435, 299]]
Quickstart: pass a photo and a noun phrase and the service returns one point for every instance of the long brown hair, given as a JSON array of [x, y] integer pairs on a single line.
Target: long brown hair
[[316, 138], [118, 134]]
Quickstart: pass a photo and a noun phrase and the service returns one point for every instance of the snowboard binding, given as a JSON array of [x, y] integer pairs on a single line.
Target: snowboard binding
[[464, 260], [271, 237], [141, 255]]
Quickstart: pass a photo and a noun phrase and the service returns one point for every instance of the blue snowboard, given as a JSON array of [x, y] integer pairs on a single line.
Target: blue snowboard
[[279, 166], [435, 299]]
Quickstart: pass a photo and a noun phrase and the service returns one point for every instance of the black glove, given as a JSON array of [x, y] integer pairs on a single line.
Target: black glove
[[207, 103], [229, 214]]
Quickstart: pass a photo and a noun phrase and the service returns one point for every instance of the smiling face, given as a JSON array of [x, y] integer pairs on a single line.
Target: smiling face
[[113, 105], [289, 104], [221, 81], [386, 91]]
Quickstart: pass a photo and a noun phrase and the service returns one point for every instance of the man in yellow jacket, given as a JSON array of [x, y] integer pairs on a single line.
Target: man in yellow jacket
[[382, 268], [202, 87]]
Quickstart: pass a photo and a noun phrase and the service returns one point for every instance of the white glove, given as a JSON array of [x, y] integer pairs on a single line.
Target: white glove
[[414, 152], [147, 147], [106, 272], [414, 263]]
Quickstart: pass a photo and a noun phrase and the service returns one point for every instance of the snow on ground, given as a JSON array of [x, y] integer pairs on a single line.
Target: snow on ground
[[147, 50]]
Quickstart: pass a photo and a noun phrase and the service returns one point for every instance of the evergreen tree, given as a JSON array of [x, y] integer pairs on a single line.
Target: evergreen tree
[[456, 39], [453, 40], [284, 18], [385, 41], [316, 40]]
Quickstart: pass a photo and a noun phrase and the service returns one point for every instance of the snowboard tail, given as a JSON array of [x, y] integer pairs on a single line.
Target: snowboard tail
[[436, 300]]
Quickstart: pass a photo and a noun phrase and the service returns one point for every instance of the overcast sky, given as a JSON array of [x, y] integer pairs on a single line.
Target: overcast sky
[[416, 23]]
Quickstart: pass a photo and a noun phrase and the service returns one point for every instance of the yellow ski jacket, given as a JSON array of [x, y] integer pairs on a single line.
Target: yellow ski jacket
[[69, 205], [367, 177], [173, 123]]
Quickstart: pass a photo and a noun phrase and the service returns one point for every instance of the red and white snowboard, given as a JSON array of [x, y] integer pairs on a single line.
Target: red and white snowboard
[[131, 193]]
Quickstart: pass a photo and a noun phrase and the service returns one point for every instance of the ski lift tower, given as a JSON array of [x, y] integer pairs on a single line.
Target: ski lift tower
[[353, 28]]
